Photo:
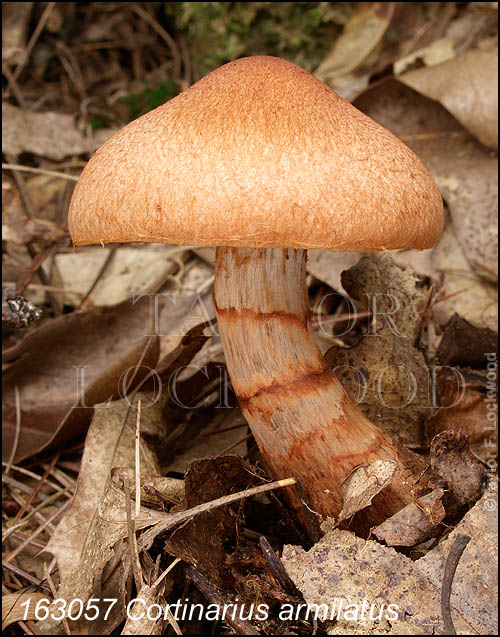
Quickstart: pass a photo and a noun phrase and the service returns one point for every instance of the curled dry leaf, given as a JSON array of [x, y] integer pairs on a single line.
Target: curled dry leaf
[[434, 54], [53, 135], [361, 34], [467, 400], [468, 87], [13, 609], [452, 459], [466, 344], [384, 372], [67, 365], [343, 573], [187, 344], [363, 484], [155, 490], [415, 523], [390, 292]]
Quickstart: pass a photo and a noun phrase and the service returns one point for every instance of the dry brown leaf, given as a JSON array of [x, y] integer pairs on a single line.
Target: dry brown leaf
[[15, 19], [462, 291], [433, 54], [53, 135], [13, 611], [465, 344], [475, 585], [472, 196], [363, 484], [211, 445], [415, 523], [466, 401], [203, 541], [188, 342], [467, 177], [84, 539], [328, 266], [468, 87], [146, 597], [49, 362], [465, 172], [452, 459], [384, 372], [16, 225], [158, 490], [344, 569], [360, 35], [133, 270]]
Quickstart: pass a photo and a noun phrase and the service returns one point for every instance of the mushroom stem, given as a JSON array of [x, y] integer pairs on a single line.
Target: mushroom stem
[[304, 422]]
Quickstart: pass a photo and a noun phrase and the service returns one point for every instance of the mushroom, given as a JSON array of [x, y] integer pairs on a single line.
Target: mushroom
[[264, 161]]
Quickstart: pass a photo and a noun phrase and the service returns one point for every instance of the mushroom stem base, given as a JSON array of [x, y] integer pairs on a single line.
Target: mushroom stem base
[[305, 424]]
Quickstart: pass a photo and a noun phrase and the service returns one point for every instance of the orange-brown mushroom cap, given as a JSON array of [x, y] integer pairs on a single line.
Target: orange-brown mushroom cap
[[257, 153]]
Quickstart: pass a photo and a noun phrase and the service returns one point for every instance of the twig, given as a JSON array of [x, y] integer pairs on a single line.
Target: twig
[[168, 520], [23, 192], [138, 461], [55, 496], [18, 430], [26, 201], [132, 538], [33, 39], [31, 474], [53, 590], [165, 573], [452, 294], [214, 596], [231, 446], [488, 270], [452, 561], [186, 59], [276, 567], [104, 267], [13, 85], [320, 320], [472, 34], [25, 628], [36, 489], [39, 171], [150, 490], [41, 528], [39, 286], [221, 431], [71, 67], [35, 267], [423, 316], [20, 573], [170, 42]]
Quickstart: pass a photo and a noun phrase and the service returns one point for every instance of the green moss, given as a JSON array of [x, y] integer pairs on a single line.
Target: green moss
[[150, 98], [219, 32], [97, 122]]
